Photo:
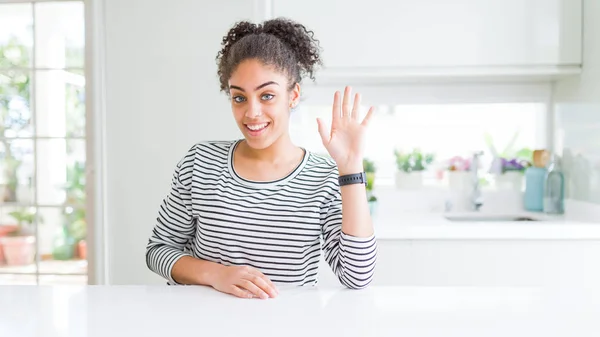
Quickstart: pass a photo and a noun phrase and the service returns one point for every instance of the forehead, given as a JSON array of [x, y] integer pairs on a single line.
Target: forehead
[[252, 73]]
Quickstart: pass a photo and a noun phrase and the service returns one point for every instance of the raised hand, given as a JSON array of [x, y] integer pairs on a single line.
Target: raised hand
[[345, 140]]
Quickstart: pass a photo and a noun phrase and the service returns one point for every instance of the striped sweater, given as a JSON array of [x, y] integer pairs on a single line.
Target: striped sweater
[[279, 227]]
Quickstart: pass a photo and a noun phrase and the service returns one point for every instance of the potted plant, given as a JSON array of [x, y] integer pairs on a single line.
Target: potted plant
[[5, 229], [370, 170], [512, 173], [508, 166], [19, 245], [410, 167], [457, 172]]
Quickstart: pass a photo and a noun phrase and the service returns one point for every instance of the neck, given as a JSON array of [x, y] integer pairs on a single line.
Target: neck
[[273, 153]]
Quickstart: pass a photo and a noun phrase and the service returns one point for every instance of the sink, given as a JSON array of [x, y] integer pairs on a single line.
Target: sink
[[489, 217]]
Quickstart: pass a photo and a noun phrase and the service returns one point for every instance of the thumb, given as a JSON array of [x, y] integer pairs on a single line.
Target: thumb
[[323, 131]]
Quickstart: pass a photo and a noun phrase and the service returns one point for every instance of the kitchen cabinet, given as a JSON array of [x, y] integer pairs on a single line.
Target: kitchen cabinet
[[395, 38], [445, 263]]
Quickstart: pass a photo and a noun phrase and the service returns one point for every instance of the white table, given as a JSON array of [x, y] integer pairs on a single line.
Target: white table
[[116, 311]]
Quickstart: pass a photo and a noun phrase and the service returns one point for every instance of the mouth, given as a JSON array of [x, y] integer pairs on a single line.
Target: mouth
[[256, 129]]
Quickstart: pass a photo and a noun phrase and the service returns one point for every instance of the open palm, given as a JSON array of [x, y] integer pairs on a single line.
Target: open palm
[[345, 140]]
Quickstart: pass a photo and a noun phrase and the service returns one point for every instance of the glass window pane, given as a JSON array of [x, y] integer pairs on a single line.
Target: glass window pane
[[17, 279], [16, 172], [16, 35], [15, 104], [448, 131], [62, 234], [443, 130], [61, 172], [59, 35], [60, 103]]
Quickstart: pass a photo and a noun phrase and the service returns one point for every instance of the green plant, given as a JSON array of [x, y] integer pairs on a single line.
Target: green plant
[[14, 109], [25, 219], [509, 152], [413, 161], [74, 210], [370, 170]]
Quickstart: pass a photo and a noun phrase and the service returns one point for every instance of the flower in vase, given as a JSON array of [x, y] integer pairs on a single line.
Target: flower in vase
[[514, 165]]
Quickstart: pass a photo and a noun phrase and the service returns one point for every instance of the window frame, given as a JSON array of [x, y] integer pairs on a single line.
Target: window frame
[[85, 70]]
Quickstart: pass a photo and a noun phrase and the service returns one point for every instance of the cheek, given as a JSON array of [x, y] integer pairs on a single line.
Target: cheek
[[238, 111]]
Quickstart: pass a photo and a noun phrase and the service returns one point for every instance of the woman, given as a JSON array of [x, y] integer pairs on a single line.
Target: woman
[[245, 215]]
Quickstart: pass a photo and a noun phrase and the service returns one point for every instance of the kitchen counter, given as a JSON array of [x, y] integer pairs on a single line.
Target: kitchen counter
[[119, 311], [465, 226]]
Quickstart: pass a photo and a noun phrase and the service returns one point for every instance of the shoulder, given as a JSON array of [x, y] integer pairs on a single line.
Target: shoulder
[[212, 147], [209, 151]]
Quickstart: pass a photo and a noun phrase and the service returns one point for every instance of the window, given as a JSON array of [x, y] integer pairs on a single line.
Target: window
[[42, 143], [444, 122]]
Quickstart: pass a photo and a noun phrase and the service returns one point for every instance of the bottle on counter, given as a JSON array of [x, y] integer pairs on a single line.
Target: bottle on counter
[[554, 187], [534, 189], [535, 177]]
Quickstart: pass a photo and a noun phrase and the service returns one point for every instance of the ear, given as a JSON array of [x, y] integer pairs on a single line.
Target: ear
[[295, 96]]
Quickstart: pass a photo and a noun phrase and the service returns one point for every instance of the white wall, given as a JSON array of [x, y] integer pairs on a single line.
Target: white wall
[[578, 115], [162, 96]]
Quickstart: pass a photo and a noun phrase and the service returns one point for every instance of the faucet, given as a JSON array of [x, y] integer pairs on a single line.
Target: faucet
[[476, 200]]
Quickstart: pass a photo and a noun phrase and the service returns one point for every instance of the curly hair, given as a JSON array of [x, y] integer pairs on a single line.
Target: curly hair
[[282, 43]]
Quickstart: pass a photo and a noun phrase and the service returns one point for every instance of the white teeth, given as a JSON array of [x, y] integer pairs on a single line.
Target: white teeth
[[257, 127]]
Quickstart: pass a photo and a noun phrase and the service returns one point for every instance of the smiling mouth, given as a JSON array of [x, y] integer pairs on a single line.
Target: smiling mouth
[[257, 127]]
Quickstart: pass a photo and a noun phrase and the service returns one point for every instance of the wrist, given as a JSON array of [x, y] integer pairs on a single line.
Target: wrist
[[209, 273], [350, 168]]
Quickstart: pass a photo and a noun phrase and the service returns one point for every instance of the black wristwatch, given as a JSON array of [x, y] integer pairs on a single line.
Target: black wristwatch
[[355, 178]]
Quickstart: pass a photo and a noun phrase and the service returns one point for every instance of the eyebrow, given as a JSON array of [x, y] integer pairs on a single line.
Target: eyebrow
[[257, 88]]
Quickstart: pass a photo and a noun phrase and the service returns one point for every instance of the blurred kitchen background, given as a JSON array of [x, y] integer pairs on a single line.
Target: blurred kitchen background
[[99, 99]]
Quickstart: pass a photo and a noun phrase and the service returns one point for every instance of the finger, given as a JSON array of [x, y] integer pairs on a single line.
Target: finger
[[323, 131], [336, 113], [263, 283], [252, 288], [367, 118], [346, 103], [240, 292], [356, 107]]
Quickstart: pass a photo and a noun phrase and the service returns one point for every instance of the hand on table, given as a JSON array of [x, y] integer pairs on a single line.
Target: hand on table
[[244, 282]]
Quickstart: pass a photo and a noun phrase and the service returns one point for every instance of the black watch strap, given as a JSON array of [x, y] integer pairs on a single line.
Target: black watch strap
[[355, 178]]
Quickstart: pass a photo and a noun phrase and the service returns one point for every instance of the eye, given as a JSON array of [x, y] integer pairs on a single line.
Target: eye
[[239, 99], [267, 97]]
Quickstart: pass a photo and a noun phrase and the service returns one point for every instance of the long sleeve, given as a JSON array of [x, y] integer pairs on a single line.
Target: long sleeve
[[175, 225], [352, 259]]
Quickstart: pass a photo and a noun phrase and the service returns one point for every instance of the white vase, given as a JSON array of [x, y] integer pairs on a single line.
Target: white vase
[[459, 180], [411, 180], [511, 180]]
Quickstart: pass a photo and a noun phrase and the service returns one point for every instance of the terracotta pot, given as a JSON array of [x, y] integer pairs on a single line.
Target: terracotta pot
[[18, 250], [82, 249], [4, 230]]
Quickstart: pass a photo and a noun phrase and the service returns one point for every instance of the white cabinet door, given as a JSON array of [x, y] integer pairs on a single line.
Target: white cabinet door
[[442, 263], [439, 33]]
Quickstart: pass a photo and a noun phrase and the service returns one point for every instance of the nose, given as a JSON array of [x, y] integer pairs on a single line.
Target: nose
[[254, 109]]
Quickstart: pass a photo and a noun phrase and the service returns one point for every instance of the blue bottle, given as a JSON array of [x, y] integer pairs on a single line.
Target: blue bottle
[[533, 198], [554, 187]]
